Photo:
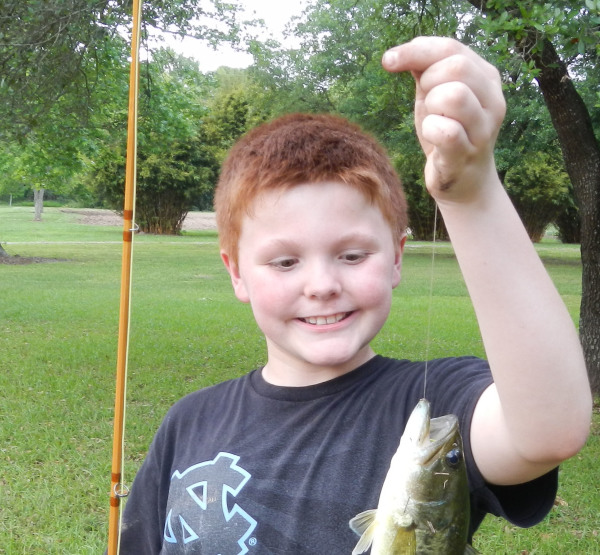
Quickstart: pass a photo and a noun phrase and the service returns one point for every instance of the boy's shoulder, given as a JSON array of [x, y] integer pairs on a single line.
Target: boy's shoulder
[[212, 394]]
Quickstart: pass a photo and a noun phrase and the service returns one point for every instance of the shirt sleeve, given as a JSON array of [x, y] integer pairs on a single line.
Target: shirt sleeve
[[141, 529], [523, 505], [460, 383]]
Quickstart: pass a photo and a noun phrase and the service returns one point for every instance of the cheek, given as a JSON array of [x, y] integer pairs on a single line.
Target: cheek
[[271, 307], [269, 296], [376, 287], [379, 298]]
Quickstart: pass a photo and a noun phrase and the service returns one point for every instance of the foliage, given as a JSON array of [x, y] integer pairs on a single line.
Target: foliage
[[409, 161], [539, 189], [170, 186], [176, 166], [11, 183], [527, 141], [39, 162], [53, 50], [574, 26], [233, 110], [568, 221], [63, 79], [337, 69], [170, 183], [339, 64], [281, 84], [46, 53]]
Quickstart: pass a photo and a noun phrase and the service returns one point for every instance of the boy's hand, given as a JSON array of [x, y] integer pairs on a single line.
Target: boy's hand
[[459, 107]]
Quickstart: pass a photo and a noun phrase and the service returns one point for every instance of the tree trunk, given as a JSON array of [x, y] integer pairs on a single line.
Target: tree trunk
[[581, 153], [38, 202]]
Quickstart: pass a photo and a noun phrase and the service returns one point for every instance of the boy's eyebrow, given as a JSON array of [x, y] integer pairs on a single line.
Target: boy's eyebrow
[[359, 237], [346, 239]]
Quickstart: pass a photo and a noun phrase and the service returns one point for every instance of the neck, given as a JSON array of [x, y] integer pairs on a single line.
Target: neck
[[286, 373]]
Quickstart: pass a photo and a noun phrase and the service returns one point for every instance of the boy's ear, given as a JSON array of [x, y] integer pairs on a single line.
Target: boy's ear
[[239, 287], [397, 271]]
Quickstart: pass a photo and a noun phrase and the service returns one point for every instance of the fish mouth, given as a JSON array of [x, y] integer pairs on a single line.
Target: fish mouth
[[325, 320], [429, 437], [442, 433]]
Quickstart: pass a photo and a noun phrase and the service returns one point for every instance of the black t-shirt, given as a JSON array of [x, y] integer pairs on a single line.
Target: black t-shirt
[[249, 467]]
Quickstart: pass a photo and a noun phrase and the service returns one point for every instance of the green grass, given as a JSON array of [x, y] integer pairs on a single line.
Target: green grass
[[58, 339]]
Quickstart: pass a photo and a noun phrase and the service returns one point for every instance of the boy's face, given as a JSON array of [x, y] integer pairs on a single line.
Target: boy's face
[[317, 263]]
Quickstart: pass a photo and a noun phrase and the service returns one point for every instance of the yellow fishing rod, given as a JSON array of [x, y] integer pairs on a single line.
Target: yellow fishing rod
[[118, 489]]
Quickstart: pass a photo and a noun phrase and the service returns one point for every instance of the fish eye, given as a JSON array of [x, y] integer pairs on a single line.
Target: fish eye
[[453, 457]]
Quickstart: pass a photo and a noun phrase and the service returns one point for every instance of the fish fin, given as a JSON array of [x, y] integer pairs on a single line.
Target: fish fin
[[362, 521], [470, 550], [364, 525], [365, 541]]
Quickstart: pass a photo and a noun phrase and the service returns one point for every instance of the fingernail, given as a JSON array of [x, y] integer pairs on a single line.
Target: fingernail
[[390, 58]]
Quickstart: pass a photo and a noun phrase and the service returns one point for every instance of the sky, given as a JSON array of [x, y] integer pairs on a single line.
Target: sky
[[276, 14]]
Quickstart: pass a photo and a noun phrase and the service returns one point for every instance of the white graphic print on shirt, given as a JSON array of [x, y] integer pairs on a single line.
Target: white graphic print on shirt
[[199, 519]]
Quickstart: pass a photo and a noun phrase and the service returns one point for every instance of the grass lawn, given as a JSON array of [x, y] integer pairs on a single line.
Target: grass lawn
[[58, 339]]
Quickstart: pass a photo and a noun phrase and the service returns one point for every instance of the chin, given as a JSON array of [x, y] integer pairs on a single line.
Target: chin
[[344, 363]]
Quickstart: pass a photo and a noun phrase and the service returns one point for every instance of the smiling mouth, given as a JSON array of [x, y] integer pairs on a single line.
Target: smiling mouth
[[324, 320]]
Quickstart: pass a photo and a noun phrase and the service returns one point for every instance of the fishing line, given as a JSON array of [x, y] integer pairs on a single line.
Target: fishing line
[[430, 307]]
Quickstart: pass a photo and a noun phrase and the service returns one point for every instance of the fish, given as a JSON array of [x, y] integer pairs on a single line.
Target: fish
[[424, 502]]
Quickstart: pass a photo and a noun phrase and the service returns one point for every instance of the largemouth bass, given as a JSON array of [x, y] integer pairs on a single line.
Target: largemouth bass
[[424, 502]]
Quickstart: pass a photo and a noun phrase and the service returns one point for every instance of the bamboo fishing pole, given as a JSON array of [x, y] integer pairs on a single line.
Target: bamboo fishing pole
[[118, 489]]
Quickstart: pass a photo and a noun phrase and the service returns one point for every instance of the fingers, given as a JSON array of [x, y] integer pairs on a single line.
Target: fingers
[[446, 135], [459, 107], [477, 75], [437, 61], [459, 103], [422, 52]]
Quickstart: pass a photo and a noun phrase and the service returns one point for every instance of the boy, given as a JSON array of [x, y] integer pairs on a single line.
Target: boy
[[311, 221]]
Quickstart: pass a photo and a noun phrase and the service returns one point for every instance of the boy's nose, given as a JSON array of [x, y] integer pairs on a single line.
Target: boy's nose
[[321, 282]]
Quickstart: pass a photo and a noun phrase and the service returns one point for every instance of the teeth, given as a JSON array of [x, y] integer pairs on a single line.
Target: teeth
[[322, 320]]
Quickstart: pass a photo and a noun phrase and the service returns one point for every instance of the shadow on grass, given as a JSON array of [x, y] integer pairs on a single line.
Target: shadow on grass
[[16, 260]]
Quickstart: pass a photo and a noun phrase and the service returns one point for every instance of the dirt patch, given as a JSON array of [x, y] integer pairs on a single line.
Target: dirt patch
[[194, 221], [16, 260]]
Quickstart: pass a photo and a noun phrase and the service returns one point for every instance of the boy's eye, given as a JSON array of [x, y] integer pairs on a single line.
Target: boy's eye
[[283, 263], [354, 257]]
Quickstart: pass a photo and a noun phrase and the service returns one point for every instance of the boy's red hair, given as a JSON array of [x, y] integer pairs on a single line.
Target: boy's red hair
[[298, 149]]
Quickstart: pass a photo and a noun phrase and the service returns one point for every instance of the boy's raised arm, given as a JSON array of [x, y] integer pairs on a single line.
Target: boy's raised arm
[[537, 413]]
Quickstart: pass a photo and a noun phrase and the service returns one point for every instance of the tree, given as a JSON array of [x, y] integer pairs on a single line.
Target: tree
[[539, 189], [57, 49], [170, 182], [238, 103], [529, 163], [11, 183], [39, 164], [176, 165], [229, 111], [283, 87], [58, 62]]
